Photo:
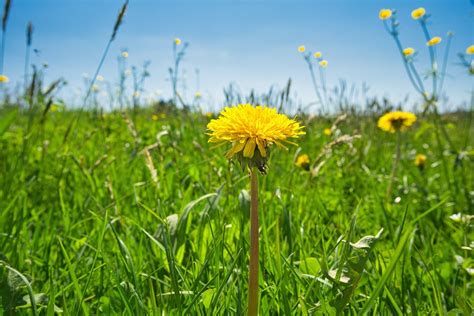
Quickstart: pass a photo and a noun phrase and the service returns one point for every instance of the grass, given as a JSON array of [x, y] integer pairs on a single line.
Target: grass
[[133, 216]]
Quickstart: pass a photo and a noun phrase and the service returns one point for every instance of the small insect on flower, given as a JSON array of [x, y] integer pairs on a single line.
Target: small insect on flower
[[124, 54], [177, 41], [323, 63], [327, 131], [301, 48], [470, 50], [303, 162], [385, 14], [251, 131], [408, 51], [418, 13], [434, 41], [420, 161], [396, 121], [318, 55], [4, 79]]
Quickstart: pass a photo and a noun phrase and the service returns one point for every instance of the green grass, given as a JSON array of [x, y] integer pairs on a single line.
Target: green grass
[[86, 229]]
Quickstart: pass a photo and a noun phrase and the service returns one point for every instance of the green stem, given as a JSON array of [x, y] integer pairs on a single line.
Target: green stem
[[253, 265], [396, 160]]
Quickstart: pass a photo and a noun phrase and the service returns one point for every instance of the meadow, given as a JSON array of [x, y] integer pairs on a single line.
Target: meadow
[[132, 211]]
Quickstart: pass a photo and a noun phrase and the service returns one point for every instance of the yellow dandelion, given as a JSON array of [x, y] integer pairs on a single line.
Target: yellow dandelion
[[198, 95], [418, 13], [323, 63], [420, 160], [154, 117], [408, 51], [303, 161], [470, 50], [95, 88], [125, 54], [177, 41], [247, 127], [317, 55], [54, 108], [163, 115], [4, 79], [434, 41], [385, 14], [327, 132], [396, 121], [301, 48]]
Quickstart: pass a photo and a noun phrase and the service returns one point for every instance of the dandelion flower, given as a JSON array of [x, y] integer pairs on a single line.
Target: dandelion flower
[[470, 50], [303, 161], [396, 121], [420, 160], [434, 41], [408, 51], [95, 88], [249, 128], [317, 55], [323, 63], [54, 108], [418, 13], [125, 54], [385, 14], [301, 48], [154, 117], [177, 41], [4, 79], [198, 95], [327, 131]]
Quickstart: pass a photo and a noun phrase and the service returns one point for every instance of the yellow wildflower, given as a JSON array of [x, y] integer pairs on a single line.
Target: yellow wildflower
[[420, 160], [4, 79], [125, 54], [323, 63], [95, 88], [302, 48], [327, 131], [163, 115], [434, 41], [303, 161], [408, 51], [418, 13], [154, 117], [317, 55], [198, 95], [54, 108], [396, 121], [247, 128], [385, 14], [177, 41], [99, 78], [470, 50]]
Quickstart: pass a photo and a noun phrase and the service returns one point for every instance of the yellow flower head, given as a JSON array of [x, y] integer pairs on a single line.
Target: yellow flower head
[[385, 14], [434, 41], [470, 50], [317, 55], [303, 161], [418, 13], [177, 41], [54, 108], [301, 48], [408, 51], [198, 95], [327, 132], [125, 54], [323, 63], [247, 128], [396, 121], [100, 78], [154, 117], [420, 160], [95, 88], [4, 79]]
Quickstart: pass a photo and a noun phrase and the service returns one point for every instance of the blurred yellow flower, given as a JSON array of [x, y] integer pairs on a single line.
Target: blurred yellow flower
[[408, 51], [434, 41], [247, 127], [95, 88], [385, 14], [99, 78], [198, 95], [303, 161], [163, 115], [420, 160], [470, 50], [327, 131], [4, 79], [396, 121], [54, 108], [302, 48], [318, 55], [125, 54], [323, 63], [418, 13], [154, 117], [177, 41]]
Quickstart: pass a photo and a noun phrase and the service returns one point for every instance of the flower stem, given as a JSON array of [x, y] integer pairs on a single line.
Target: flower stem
[[253, 265], [396, 160]]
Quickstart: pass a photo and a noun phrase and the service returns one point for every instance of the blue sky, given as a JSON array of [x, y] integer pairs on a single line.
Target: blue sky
[[251, 43]]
